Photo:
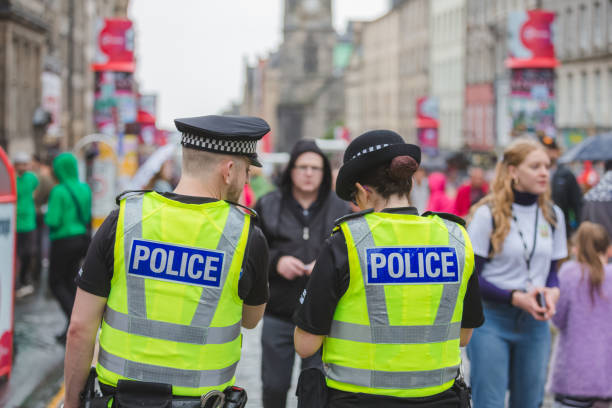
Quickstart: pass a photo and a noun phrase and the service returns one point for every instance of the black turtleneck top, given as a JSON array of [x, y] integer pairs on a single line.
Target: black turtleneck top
[[524, 198]]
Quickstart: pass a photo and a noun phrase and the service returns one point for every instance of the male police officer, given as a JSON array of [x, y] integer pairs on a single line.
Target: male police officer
[[172, 277]]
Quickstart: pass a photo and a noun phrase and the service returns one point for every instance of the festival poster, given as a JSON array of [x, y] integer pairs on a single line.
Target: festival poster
[[532, 102]]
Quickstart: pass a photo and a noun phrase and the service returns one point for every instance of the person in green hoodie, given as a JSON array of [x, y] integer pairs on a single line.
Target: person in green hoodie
[[68, 218], [26, 220]]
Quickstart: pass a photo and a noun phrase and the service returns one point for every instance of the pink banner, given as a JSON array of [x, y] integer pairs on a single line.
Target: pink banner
[[530, 40], [115, 46]]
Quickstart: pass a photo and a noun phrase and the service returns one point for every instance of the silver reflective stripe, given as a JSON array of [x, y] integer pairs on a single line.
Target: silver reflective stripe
[[167, 375], [170, 331], [395, 334], [404, 380], [448, 300], [132, 229], [375, 294], [228, 242], [379, 331]]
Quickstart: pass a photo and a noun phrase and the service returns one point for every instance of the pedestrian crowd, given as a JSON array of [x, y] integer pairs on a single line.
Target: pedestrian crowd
[[318, 261], [53, 227]]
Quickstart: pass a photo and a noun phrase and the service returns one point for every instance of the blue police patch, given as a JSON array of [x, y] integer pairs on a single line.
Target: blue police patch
[[174, 263], [412, 265]]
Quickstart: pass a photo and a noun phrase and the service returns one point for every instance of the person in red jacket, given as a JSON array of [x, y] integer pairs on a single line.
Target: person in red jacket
[[471, 192]]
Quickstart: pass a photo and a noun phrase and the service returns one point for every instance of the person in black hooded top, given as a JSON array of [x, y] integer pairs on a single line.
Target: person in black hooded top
[[296, 219]]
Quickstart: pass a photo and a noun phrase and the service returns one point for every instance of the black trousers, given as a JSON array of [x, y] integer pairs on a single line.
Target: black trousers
[[65, 261], [341, 399], [277, 358], [26, 242]]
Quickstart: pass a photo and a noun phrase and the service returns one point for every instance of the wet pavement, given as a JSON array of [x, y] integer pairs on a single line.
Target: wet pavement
[[38, 365], [248, 374]]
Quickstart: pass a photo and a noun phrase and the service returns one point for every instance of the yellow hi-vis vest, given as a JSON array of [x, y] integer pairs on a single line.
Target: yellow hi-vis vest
[[396, 330], [173, 313]]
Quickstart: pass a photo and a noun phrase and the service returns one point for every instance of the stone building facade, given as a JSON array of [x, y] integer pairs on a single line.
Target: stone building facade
[[23, 31], [389, 70], [447, 69], [486, 76], [261, 93], [584, 76], [311, 97], [53, 40]]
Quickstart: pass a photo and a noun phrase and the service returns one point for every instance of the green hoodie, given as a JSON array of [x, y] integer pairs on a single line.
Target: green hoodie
[[26, 210], [62, 216]]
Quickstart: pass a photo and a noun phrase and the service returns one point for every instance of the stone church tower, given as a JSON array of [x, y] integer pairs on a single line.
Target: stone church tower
[[311, 97]]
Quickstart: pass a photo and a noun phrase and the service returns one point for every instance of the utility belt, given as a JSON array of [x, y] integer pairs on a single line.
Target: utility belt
[[138, 394], [312, 391]]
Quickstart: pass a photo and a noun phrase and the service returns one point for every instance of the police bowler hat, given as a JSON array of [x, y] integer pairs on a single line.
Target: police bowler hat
[[367, 152]]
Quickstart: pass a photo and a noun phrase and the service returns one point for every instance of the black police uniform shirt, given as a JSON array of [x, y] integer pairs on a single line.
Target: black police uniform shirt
[[97, 272], [328, 283]]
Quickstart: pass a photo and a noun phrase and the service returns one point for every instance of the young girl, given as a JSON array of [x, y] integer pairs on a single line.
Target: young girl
[[517, 235], [582, 374]]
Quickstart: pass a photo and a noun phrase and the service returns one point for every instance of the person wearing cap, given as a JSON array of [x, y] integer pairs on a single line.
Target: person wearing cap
[[566, 192], [392, 296], [172, 277], [27, 182]]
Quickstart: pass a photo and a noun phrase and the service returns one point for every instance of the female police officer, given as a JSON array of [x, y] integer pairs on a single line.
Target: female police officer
[[392, 296]]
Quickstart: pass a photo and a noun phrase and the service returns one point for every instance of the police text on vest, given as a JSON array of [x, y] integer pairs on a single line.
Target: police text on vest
[[175, 263], [412, 265]]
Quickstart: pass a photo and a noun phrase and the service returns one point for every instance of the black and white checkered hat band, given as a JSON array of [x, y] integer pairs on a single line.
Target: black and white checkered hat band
[[219, 145], [369, 150]]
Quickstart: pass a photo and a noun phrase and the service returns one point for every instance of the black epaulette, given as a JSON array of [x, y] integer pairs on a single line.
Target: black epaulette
[[353, 215], [128, 193], [446, 216], [249, 210]]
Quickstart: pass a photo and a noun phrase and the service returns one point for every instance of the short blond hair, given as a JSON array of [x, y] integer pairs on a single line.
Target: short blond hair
[[200, 162]]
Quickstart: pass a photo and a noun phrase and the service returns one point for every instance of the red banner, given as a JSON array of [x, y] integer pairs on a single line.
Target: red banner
[[530, 40], [115, 46], [427, 113], [428, 140]]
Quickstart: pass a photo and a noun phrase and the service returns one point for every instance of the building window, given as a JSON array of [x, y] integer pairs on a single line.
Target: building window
[[311, 59], [609, 88], [583, 27], [598, 24], [597, 97], [609, 19], [570, 98], [568, 30], [584, 101]]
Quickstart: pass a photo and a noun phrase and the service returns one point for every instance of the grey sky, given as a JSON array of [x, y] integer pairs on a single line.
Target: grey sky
[[190, 52]]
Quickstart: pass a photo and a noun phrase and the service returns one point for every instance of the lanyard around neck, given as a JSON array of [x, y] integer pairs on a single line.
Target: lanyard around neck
[[527, 254]]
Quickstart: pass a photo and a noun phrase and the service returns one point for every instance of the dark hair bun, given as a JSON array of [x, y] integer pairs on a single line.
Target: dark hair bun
[[402, 168]]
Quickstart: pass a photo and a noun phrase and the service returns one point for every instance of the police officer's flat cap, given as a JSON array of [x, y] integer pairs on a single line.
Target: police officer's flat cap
[[237, 135]]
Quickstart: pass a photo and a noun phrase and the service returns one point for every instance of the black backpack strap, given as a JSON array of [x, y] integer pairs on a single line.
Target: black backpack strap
[[79, 210], [248, 210], [551, 206], [351, 216], [446, 216]]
